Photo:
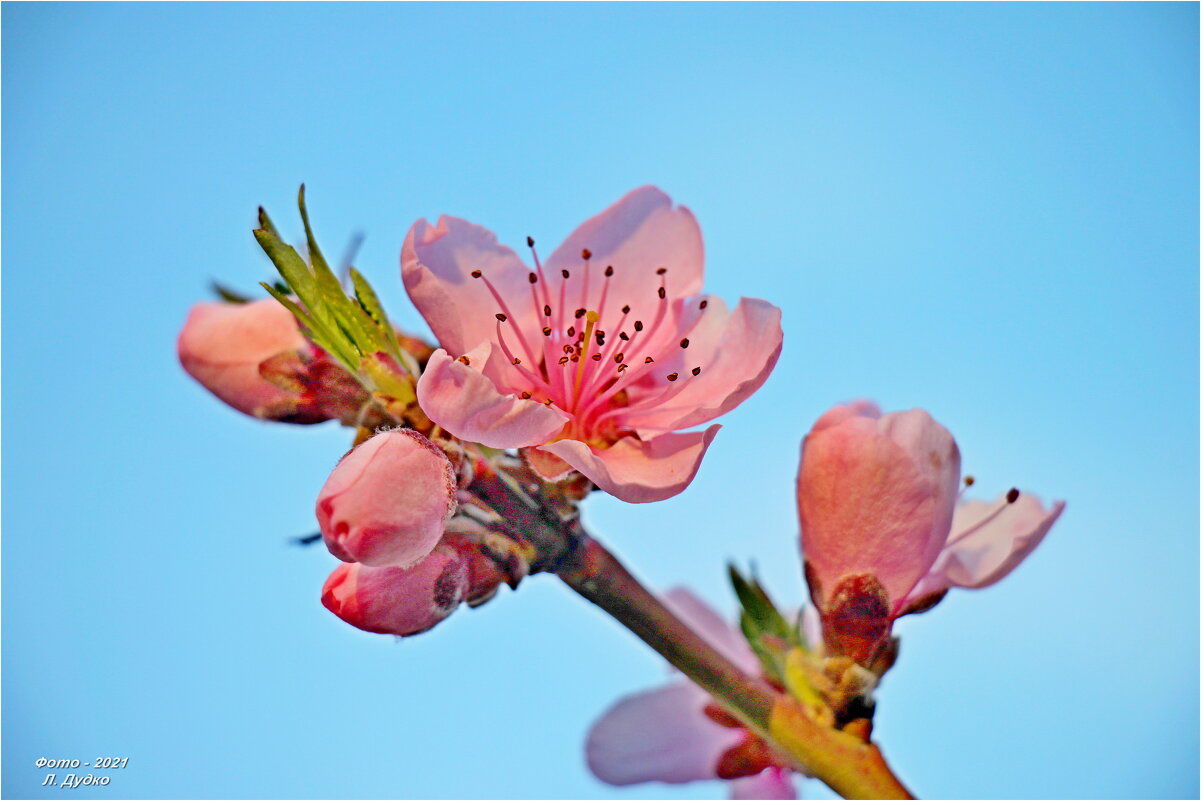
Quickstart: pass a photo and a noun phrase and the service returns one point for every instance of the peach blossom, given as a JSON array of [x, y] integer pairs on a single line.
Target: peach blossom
[[597, 358]]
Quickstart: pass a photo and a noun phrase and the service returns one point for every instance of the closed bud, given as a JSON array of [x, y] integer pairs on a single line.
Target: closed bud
[[396, 600], [387, 502]]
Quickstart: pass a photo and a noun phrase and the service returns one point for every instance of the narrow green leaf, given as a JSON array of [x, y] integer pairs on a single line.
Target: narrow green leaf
[[226, 294], [266, 224], [371, 305]]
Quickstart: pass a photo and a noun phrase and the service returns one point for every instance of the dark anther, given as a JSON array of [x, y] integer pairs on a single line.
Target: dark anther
[[571, 331], [580, 313], [476, 273], [637, 325], [661, 271], [624, 336], [649, 360], [546, 331], [533, 278], [619, 357], [566, 274], [1012, 495], [596, 357], [501, 317], [704, 303], [546, 310], [609, 271], [562, 360], [464, 359], [525, 396], [672, 376], [586, 253], [684, 342], [662, 293], [529, 241], [696, 371], [516, 360], [622, 367]]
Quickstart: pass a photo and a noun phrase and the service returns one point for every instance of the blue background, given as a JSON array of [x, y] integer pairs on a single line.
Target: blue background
[[989, 211]]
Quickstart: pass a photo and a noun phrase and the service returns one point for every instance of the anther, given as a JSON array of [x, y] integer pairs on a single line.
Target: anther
[[546, 402], [625, 309], [649, 360], [969, 481], [533, 278], [637, 325], [546, 310], [546, 331], [624, 336], [501, 317], [684, 342], [477, 273], [567, 274], [580, 313], [571, 331], [586, 254], [568, 349], [618, 358], [662, 293], [575, 358], [704, 303], [672, 376], [596, 357], [563, 360], [622, 367], [661, 271], [529, 241], [464, 359], [526, 396], [1012, 495], [516, 360], [696, 371], [609, 271]]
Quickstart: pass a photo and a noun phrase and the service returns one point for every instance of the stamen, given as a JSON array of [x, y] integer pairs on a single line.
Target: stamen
[[684, 342], [546, 331], [672, 376], [637, 325], [704, 303], [571, 331], [501, 317], [1012, 495], [649, 360], [596, 357], [609, 271], [619, 357], [662, 292], [580, 313], [546, 310], [624, 336], [563, 360], [696, 371], [625, 309], [477, 273], [566, 274], [533, 278], [586, 254], [969, 481], [661, 271]]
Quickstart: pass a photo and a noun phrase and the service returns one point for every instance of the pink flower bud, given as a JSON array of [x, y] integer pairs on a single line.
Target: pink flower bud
[[222, 345], [396, 600], [875, 496], [387, 502]]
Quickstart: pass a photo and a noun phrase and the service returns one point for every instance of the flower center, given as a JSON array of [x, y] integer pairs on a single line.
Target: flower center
[[564, 353]]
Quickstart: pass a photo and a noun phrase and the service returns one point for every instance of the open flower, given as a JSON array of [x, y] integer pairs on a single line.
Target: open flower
[[595, 359], [677, 734], [880, 528]]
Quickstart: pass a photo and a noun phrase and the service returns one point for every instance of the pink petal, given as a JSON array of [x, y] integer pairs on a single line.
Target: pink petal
[[658, 735], [875, 497], [639, 471], [723, 636], [394, 600], [636, 235], [388, 500], [986, 544], [464, 401], [223, 344], [771, 783], [736, 353], [436, 264]]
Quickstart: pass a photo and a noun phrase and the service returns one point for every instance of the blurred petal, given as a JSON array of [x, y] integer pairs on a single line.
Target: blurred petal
[[701, 618], [772, 783], [396, 600], [659, 735]]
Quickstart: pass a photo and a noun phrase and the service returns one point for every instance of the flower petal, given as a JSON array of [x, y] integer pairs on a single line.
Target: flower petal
[[658, 735], [464, 401], [637, 235], [988, 540], [640, 471], [856, 408], [771, 783], [702, 619], [736, 353], [436, 264]]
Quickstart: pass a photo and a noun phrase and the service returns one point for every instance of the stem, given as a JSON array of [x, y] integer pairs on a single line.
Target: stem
[[853, 768]]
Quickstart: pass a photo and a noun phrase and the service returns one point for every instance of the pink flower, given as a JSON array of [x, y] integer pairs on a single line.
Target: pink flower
[[398, 600], [387, 502], [880, 531], [595, 359], [676, 734], [253, 357]]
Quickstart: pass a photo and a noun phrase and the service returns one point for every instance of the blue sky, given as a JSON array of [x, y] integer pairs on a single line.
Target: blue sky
[[989, 211]]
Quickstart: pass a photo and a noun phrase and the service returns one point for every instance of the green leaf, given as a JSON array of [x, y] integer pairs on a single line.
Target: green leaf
[[226, 294], [266, 224]]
